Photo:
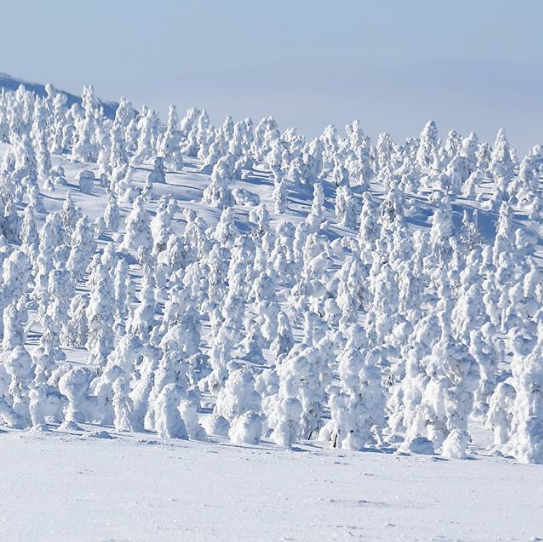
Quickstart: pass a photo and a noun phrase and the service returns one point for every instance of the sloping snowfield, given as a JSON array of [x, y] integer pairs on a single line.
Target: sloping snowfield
[[388, 317], [67, 487]]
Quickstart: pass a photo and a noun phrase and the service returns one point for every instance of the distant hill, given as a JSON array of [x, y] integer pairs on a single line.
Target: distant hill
[[11, 83]]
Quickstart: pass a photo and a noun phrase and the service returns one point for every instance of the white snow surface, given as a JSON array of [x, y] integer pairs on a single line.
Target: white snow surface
[[71, 487], [82, 480]]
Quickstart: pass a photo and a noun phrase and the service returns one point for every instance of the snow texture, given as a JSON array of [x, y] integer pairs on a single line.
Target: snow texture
[[334, 303]]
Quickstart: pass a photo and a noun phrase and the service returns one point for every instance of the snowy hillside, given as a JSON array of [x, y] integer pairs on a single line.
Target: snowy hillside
[[242, 286], [10, 83]]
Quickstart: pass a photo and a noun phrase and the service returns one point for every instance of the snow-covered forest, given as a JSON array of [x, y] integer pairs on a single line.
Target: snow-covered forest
[[242, 282]]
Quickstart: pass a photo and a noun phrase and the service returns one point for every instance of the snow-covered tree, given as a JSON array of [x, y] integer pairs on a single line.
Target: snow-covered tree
[[100, 316], [138, 231]]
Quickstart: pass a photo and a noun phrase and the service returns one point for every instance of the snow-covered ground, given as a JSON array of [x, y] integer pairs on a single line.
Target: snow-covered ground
[[67, 487], [235, 334]]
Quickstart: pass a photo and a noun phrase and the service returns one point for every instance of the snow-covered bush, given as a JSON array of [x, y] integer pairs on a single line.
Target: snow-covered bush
[[86, 181]]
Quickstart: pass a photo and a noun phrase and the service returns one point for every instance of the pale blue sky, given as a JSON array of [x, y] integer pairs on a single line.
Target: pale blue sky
[[468, 64]]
